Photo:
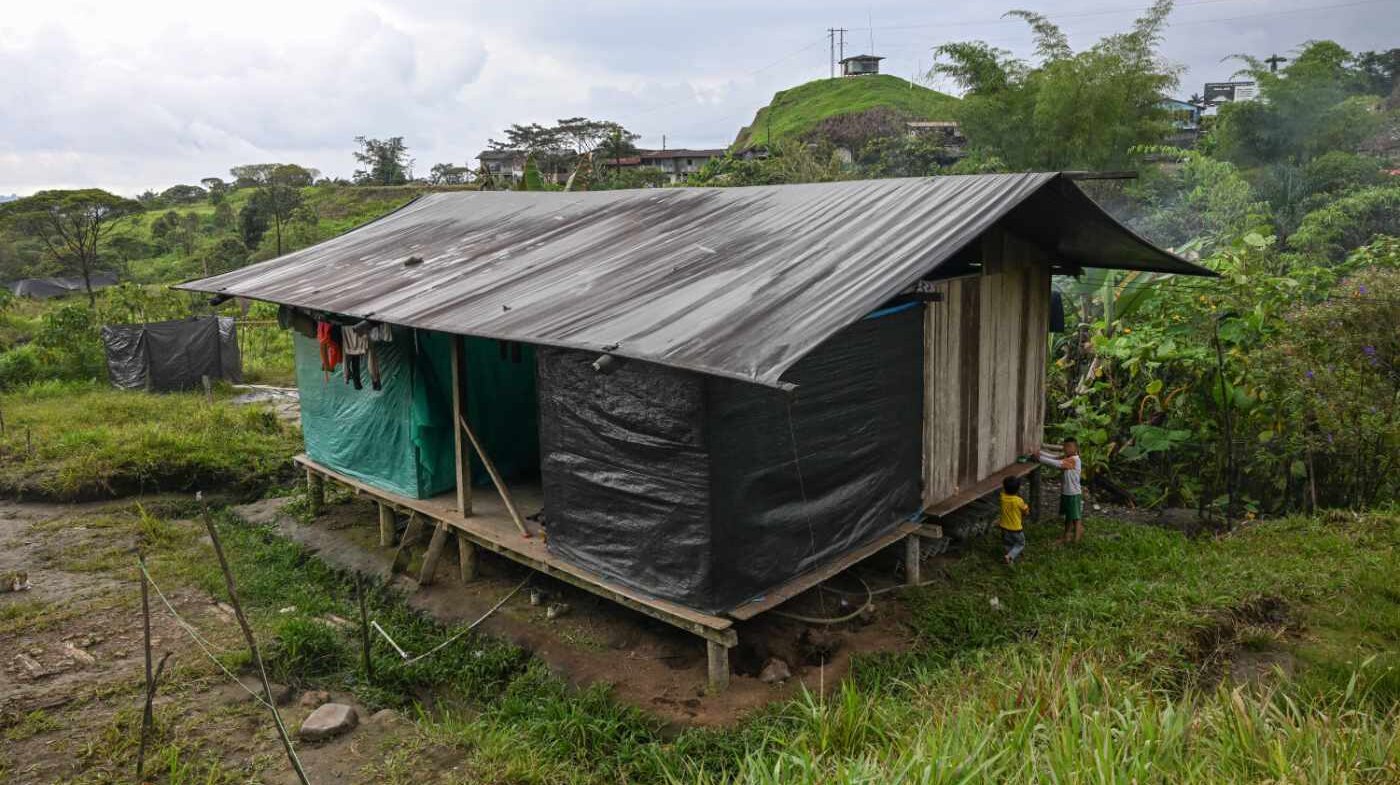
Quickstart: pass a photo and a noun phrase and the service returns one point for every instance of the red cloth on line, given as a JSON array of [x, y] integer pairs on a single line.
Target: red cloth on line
[[330, 347]]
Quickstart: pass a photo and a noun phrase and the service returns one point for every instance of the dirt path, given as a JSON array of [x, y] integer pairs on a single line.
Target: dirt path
[[70, 680]]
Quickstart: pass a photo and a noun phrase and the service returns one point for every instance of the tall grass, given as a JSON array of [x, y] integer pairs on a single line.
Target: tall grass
[[79, 440]]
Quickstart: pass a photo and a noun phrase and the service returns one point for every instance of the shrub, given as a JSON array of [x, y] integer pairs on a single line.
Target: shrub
[[305, 649]]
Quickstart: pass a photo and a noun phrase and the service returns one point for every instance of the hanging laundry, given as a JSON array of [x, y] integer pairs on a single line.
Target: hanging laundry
[[383, 333], [356, 346], [328, 336], [296, 319]]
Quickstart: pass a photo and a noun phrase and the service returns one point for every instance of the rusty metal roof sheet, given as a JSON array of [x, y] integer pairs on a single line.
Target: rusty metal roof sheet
[[736, 282]]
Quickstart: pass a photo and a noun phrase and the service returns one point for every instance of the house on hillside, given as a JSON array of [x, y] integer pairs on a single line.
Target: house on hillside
[[679, 164], [1185, 119], [505, 166], [860, 65], [696, 402]]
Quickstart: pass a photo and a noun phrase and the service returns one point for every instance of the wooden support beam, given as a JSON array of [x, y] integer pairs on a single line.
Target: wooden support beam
[[912, 560], [1037, 504], [459, 414], [315, 492], [386, 525], [466, 558], [430, 559], [410, 538], [718, 665], [495, 475]]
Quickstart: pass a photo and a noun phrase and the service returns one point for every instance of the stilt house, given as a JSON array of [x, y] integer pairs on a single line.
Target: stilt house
[[713, 398]]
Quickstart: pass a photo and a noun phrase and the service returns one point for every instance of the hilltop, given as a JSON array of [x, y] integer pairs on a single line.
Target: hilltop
[[797, 111]]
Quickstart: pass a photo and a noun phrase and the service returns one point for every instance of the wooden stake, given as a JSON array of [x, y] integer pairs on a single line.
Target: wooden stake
[[912, 560], [495, 477], [315, 492], [252, 646], [1036, 504], [208, 390], [430, 559], [386, 525], [364, 628], [466, 558]]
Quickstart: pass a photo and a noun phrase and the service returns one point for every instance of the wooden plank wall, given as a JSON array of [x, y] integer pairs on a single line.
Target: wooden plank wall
[[985, 372]]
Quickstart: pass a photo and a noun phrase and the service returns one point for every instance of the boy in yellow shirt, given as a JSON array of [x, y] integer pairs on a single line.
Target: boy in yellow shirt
[[1012, 508]]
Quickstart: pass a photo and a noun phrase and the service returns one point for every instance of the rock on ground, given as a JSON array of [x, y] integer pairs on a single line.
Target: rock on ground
[[329, 721], [314, 698], [775, 670]]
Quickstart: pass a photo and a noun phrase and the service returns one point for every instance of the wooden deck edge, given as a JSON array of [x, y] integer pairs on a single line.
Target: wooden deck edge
[[991, 483], [714, 628], [807, 580]]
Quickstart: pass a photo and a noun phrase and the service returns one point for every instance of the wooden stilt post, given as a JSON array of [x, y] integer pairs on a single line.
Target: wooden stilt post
[[430, 559], [410, 538], [459, 414], [386, 525], [718, 665], [912, 560], [466, 558], [315, 492], [1036, 503]]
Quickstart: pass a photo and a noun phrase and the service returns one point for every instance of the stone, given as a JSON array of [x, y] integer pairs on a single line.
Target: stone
[[313, 698], [556, 610], [281, 693], [78, 655], [384, 717], [329, 721], [774, 671]]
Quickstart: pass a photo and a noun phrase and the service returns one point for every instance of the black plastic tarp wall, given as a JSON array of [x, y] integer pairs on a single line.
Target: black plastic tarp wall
[[173, 355], [710, 491]]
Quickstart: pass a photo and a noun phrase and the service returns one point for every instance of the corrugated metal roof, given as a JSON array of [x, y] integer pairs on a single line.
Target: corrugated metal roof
[[737, 282]]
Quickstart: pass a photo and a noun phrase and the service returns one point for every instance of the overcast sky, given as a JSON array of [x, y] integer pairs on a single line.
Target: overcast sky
[[146, 93]]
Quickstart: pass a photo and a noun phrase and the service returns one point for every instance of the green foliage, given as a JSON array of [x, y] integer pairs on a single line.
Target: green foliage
[[70, 225], [1347, 223], [76, 441], [1197, 198], [305, 650], [798, 112], [786, 162], [1310, 107], [1083, 110], [385, 161]]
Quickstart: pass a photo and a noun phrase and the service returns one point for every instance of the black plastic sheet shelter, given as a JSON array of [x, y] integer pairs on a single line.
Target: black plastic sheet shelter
[[710, 491], [44, 288], [731, 282], [172, 356]]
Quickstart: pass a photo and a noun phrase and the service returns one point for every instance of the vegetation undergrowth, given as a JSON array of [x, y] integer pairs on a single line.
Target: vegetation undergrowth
[[76, 440], [1108, 662]]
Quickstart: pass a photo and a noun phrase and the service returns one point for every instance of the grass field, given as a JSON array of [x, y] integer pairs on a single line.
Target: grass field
[[797, 110], [84, 440], [1269, 654]]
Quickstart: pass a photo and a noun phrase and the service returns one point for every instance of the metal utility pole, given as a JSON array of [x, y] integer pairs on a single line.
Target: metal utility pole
[[841, 44], [831, 47], [1273, 61]]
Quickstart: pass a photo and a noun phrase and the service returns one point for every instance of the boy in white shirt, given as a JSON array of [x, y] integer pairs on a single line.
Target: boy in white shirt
[[1071, 495]]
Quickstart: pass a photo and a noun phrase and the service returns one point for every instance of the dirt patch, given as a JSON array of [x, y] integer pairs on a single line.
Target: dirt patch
[[1244, 644], [646, 662]]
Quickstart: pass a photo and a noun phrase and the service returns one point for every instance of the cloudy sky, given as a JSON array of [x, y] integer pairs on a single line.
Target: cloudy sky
[[147, 93]]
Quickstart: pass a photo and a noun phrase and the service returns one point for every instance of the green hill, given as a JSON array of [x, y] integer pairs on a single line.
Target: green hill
[[796, 111]]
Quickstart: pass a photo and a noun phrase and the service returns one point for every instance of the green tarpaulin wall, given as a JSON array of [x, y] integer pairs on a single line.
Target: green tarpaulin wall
[[399, 438]]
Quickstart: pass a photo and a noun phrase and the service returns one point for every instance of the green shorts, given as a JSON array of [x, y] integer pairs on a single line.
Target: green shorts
[[1072, 507]]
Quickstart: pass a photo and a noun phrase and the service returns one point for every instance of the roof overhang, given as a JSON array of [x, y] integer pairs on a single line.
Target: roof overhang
[[734, 282]]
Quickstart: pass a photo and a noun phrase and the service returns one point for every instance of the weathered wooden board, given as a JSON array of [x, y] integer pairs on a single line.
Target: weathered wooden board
[[984, 386]]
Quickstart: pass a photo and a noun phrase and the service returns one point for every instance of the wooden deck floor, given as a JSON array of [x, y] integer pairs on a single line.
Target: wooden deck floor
[[489, 526]]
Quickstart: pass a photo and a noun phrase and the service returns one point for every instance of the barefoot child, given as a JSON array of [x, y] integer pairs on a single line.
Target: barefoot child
[[1012, 508], [1071, 498]]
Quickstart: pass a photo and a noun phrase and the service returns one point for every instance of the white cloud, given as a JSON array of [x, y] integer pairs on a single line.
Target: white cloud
[[147, 93]]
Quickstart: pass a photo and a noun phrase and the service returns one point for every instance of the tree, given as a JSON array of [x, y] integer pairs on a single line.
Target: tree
[[1316, 104], [278, 193], [228, 253], [182, 194], [71, 225], [1082, 110], [217, 189], [385, 161], [448, 174], [556, 148], [223, 216]]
